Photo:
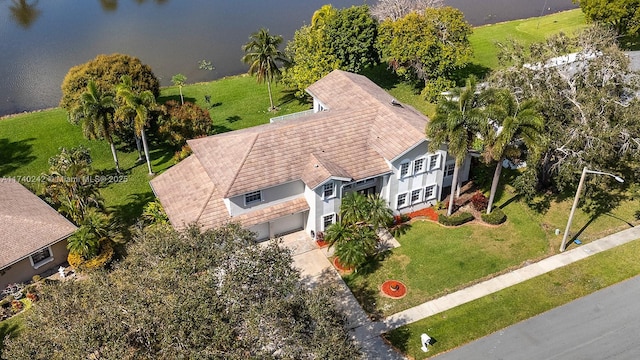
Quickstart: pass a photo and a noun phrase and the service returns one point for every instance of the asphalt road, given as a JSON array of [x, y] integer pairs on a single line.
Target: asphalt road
[[603, 325]]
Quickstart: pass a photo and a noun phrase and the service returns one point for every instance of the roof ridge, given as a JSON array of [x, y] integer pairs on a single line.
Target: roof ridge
[[246, 155]]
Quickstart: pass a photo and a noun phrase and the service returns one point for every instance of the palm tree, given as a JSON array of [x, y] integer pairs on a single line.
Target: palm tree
[[263, 55], [140, 105], [518, 124], [179, 80], [96, 115], [457, 122], [353, 208], [378, 213]]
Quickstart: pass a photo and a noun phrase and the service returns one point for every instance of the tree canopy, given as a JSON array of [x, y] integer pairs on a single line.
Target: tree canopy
[[589, 105], [336, 39], [211, 295], [428, 47], [106, 71], [623, 15], [181, 122]]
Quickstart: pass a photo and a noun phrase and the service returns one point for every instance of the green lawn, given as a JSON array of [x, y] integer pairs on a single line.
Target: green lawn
[[491, 313], [527, 31]]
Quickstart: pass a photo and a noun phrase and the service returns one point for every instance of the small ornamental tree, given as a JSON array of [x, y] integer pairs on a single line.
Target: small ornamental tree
[[182, 122]]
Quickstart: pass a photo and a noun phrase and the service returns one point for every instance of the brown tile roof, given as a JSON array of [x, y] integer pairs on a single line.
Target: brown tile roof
[[354, 139], [27, 223]]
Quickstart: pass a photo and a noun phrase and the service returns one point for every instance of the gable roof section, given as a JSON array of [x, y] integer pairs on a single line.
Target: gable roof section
[[395, 127], [354, 139], [27, 223]]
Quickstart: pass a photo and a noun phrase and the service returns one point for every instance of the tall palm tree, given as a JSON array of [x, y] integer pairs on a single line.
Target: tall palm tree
[[458, 120], [517, 125], [139, 104], [263, 55], [96, 116]]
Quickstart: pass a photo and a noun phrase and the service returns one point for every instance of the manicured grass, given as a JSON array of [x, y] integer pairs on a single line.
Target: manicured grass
[[237, 102], [527, 31], [434, 260], [491, 313]]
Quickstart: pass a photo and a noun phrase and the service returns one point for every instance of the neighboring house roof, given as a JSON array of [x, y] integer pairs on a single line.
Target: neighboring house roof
[[27, 223], [362, 130]]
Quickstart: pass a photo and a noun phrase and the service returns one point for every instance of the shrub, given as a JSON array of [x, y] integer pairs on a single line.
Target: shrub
[[36, 278], [479, 201], [101, 260], [181, 122], [496, 217], [455, 220]]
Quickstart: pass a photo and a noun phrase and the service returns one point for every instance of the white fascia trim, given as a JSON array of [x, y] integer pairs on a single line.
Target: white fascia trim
[[409, 149]]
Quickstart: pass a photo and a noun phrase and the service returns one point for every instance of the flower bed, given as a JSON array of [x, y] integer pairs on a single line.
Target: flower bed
[[393, 289], [430, 213]]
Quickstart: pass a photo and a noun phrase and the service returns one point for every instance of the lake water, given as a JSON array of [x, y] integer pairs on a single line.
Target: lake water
[[41, 39]]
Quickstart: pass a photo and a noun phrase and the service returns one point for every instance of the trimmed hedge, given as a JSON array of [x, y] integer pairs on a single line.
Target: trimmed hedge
[[496, 217], [455, 220]]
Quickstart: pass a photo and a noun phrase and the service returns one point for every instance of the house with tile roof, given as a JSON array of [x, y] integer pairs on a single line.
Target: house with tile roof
[[291, 174], [32, 234]]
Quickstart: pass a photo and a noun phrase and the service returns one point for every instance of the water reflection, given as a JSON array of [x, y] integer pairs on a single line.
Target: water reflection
[[24, 13]]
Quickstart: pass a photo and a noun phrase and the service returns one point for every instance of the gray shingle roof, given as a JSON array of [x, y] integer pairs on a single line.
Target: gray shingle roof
[[27, 223]]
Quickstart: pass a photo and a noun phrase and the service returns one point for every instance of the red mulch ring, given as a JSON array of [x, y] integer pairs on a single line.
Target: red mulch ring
[[339, 266], [393, 289], [321, 243], [429, 213]]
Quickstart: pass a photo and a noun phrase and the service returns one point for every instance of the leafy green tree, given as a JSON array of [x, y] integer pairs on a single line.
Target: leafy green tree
[[336, 39], [95, 113], [179, 81], [70, 183], [106, 71], [179, 123], [311, 59], [457, 122], [623, 15], [351, 35], [139, 105], [590, 108], [263, 55], [519, 130], [191, 295], [427, 47]]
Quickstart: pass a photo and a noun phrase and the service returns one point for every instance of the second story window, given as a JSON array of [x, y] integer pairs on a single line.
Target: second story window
[[328, 190], [404, 170], [449, 169], [252, 197], [418, 166]]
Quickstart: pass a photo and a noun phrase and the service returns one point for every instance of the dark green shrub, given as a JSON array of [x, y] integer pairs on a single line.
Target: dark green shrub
[[496, 217], [455, 220]]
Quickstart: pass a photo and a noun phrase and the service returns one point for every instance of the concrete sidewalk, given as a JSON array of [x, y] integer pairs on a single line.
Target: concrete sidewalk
[[373, 329]]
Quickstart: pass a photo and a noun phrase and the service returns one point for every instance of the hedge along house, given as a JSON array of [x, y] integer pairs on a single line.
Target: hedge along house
[[32, 234], [291, 174]]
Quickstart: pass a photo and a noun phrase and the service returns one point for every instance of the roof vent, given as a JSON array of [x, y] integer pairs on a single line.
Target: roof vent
[[395, 102]]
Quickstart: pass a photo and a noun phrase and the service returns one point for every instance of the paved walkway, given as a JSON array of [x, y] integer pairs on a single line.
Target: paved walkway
[[316, 268]]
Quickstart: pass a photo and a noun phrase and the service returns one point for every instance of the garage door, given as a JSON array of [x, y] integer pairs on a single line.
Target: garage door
[[261, 230], [287, 224]]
